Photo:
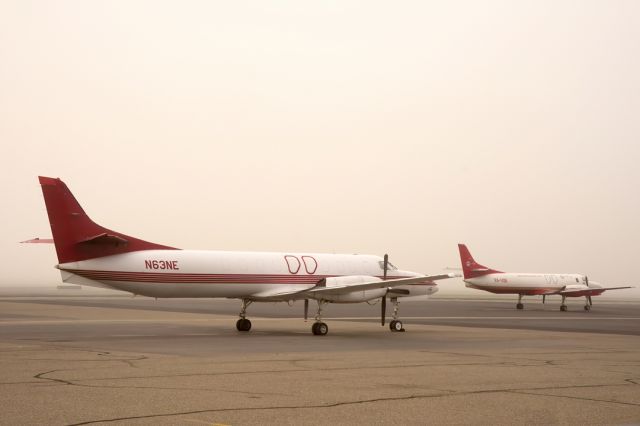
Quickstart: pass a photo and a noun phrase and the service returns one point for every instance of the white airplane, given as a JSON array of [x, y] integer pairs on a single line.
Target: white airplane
[[527, 284], [89, 254]]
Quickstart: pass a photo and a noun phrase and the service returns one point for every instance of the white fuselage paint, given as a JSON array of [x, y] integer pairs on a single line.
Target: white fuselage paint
[[253, 275], [528, 283]]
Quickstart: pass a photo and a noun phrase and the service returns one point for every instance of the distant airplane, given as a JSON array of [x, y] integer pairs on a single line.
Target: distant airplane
[[89, 254], [526, 284]]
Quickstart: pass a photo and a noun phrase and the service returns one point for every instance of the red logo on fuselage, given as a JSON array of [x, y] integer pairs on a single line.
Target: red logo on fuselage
[[161, 264]]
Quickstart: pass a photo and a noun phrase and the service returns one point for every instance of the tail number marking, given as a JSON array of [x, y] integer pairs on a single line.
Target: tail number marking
[[161, 264]]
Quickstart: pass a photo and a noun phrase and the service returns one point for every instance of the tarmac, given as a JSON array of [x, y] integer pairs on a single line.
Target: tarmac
[[116, 360]]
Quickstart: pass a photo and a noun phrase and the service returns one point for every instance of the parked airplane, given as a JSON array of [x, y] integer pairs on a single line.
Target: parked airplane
[[89, 254], [526, 284]]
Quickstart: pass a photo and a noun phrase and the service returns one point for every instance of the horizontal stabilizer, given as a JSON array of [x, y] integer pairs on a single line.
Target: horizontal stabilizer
[[38, 240]]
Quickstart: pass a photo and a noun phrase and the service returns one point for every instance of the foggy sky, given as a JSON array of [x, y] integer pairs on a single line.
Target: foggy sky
[[338, 126]]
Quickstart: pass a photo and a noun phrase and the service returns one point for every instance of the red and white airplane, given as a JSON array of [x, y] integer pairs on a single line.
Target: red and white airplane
[[89, 254], [527, 284]]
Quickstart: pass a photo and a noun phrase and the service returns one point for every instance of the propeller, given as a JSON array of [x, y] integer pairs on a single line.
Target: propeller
[[586, 280], [383, 305], [385, 266]]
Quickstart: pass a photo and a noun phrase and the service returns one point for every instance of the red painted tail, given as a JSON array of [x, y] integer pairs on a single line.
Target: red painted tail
[[75, 235], [471, 268]]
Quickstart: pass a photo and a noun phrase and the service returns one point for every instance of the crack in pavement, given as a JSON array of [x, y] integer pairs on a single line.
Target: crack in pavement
[[41, 376], [582, 398], [311, 369], [365, 401]]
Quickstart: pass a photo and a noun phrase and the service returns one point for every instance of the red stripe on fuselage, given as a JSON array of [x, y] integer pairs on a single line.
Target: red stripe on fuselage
[[169, 277]]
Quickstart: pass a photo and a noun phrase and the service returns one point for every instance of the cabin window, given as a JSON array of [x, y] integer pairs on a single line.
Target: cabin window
[[577, 280]]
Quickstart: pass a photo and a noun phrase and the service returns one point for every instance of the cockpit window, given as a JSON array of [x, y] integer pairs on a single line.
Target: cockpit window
[[390, 266]]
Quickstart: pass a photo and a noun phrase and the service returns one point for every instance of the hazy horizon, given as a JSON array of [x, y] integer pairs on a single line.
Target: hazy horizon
[[347, 127]]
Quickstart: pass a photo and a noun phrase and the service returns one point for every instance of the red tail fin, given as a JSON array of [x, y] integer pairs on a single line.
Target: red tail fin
[[75, 235], [471, 268]]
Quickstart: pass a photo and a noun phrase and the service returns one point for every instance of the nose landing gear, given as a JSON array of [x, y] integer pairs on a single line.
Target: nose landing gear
[[395, 324]]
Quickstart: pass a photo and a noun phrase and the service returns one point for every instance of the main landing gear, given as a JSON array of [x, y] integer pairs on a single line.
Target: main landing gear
[[588, 303], [519, 305], [563, 306], [395, 324], [243, 324], [319, 328]]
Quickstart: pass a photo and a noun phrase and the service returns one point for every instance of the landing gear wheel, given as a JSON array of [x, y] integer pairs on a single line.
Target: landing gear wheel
[[587, 307], [396, 325], [319, 329], [519, 306], [243, 324], [563, 307]]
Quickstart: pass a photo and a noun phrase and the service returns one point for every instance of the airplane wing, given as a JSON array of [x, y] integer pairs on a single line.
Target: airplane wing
[[321, 287], [584, 291]]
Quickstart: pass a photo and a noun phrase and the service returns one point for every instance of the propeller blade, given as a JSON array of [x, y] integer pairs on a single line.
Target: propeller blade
[[385, 266], [306, 309], [383, 307], [586, 280]]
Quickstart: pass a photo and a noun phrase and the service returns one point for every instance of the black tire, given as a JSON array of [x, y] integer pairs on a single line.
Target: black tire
[[323, 329], [587, 307], [243, 324], [319, 329], [563, 308], [519, 306], [395, 325]]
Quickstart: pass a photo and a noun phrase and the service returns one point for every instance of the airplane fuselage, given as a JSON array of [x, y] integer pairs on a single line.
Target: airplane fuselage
[[528, 283], [251, 275]]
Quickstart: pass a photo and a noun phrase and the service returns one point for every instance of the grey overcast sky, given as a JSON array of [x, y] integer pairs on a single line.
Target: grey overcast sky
[[333, 126]]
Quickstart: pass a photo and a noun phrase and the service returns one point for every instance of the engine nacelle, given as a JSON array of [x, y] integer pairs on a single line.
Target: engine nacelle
[[576, 287], [413, 290], [355, 296]]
